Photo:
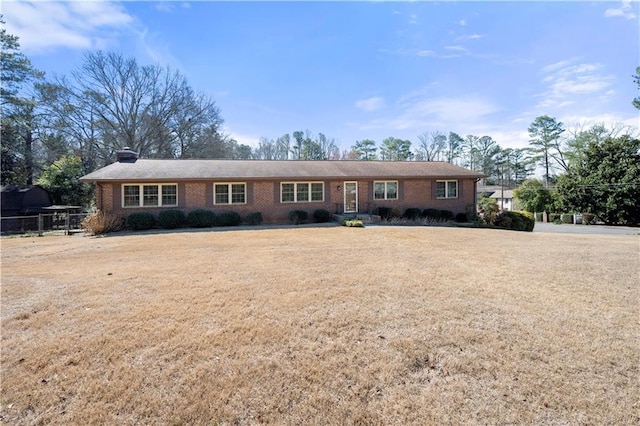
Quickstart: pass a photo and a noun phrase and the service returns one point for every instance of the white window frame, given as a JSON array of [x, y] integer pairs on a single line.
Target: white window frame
[[295, 192], [386, 190], [446, 188], [140, 187], [229, 186]]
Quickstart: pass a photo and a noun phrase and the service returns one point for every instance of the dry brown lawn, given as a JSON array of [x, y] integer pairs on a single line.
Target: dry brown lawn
[[382, 325]]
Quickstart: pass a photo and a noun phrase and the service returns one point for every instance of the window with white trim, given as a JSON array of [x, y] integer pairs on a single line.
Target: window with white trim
[[150, 195], [230, 193], [301, 192], [447, 189], [387, 190]]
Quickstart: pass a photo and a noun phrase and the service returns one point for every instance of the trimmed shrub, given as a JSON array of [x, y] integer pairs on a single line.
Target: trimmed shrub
[[431, 213], [461, 218], [383, 212], [554, 218], [254, 218], [298, 216], [171, 219], [518, 221], [529, 220], [141, 221], [446, 214], [396, 213], [503, 220], [412, 213], [566, 218], [100, 222], [202, 218], [229, 219], [588, 218], [322, 216]]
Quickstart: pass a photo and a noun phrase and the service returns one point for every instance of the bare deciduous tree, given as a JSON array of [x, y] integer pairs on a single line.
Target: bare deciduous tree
[[112, 101], [431, 145]]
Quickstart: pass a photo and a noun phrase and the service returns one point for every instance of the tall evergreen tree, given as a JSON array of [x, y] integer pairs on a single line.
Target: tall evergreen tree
[[545, 132], [365, 149], [394, 149], [17, 111]]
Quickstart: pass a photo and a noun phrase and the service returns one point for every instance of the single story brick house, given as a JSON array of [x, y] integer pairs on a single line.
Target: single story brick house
[[274, 188]]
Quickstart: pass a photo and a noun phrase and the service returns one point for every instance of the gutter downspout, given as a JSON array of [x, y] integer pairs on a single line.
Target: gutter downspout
[[475, 198]]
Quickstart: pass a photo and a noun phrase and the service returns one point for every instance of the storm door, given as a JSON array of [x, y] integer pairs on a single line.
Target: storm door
[[351, 197]]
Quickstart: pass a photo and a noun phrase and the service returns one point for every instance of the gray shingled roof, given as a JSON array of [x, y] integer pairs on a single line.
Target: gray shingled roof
[[170, 170], [507, 193]]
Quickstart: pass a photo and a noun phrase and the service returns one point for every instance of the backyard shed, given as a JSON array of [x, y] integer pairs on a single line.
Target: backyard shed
[[24, 200]]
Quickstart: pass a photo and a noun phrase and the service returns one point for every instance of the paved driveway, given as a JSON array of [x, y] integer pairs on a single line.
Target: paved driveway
[[585, 229]]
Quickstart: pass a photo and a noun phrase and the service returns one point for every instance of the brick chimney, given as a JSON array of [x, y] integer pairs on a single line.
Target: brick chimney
[[126, 155]]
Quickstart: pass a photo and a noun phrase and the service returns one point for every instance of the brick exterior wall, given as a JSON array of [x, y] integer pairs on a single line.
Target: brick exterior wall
[[104, 197], [264, 197], [195, 195]]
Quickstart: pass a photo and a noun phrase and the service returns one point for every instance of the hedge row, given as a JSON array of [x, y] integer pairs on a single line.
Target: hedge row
[[201, 218], [415, 213], [298, 217], [171, 219]]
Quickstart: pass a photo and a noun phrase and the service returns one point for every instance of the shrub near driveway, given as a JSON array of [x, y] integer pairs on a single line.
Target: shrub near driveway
[[517, 221], [321, 325]]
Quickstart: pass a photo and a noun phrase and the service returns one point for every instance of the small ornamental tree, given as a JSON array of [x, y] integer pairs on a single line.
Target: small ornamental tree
[[62, 180], [488, 209], [534, 197]]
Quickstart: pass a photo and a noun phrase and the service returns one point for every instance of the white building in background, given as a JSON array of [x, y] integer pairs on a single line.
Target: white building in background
[[503, 198]]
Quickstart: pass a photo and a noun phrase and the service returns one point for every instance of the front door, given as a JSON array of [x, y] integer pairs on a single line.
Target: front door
[[351, 197]]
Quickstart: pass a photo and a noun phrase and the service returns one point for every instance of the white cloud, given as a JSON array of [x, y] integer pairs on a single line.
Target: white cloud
[[423, 53], [610, 120], [43, 26], [169, 6], [624, 11], [566, 81], [462, 23], [556, 66], [466, 109], [370, 104], [164, 6], [420, 111], [243, 139], [470, 37]]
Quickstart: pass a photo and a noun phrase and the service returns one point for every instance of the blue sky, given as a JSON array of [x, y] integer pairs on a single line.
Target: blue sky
[[364, 70]]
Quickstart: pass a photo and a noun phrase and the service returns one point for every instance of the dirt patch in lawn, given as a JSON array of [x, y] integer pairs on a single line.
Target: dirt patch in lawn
[[381, 325]]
